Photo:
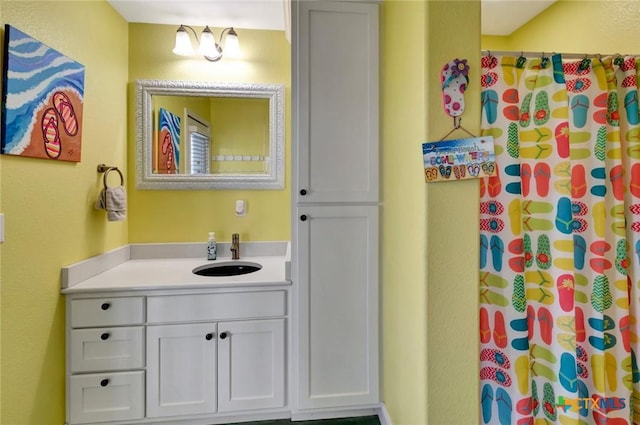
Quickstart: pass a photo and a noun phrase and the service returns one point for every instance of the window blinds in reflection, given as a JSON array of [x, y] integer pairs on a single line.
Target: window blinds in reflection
[[199, 153]]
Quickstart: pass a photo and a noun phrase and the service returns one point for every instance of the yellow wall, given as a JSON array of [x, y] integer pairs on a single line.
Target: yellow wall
[[603, 27], [405, 87], [48, 206], [430, 232], [495, 42], [239, 127], [182, 216], [452, 229], [569, 26]]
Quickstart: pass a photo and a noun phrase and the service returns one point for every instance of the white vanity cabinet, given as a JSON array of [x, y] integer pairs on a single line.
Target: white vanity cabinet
[[187, 375], [338, 296], [335, 207], [105, 361], [220, 363], [185, 356], [335, 61]]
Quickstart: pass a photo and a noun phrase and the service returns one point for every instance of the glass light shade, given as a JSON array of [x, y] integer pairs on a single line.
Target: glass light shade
[[208, 44], [183, 45], [232, 45]]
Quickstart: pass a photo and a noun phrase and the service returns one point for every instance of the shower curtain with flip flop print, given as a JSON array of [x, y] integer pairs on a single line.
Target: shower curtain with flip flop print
[[560, 242]]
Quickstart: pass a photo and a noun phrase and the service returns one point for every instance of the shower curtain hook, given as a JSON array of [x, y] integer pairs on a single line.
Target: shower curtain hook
[[618, 60], [544, 60], [584, 63]]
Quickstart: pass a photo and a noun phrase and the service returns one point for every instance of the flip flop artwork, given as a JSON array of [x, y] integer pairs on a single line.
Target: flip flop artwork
[[42, 100], [463, 158]]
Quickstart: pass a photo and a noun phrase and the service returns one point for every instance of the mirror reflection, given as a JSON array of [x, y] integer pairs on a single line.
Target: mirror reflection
[[203, 135]]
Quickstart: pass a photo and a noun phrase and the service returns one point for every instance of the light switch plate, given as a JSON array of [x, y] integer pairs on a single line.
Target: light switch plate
[[241, 208], [1, 227]]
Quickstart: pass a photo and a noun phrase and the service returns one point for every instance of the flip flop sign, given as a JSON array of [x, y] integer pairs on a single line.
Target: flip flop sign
[[454, 78], [459, 159]]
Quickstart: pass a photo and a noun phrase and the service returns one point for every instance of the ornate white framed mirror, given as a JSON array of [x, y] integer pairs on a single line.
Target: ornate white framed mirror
[[199, 135]]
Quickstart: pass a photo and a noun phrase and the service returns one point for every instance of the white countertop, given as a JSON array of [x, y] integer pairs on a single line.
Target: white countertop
[[175, 273]]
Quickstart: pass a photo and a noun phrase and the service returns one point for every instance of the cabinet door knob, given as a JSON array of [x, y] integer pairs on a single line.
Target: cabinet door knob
[[104, 382], [105, 306], [104, 336], [209, 336], [303, 192], [303, 217], [223, 335]]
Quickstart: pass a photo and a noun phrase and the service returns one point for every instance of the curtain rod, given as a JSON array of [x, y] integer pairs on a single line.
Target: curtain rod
[[549, 54]]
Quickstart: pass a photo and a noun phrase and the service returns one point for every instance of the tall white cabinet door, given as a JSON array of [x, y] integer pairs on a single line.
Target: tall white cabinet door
[[251, 365], [181, 369], [335, 81], [337, 306]]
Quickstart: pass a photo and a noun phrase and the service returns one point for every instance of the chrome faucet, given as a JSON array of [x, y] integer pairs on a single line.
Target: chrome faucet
[[235, 246]]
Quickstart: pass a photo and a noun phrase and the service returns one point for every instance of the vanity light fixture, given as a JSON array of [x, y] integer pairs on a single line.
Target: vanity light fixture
[[207, 45]]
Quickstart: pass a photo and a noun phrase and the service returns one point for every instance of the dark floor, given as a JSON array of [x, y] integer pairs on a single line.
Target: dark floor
[[362, 420]]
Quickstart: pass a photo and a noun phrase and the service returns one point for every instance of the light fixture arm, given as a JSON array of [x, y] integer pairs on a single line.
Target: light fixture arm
[[195, 34], [228, 30], [218, 45]]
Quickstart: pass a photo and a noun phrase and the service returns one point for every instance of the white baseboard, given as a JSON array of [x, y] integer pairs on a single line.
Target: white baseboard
[[329, 413], [378, 410], [383, 415]]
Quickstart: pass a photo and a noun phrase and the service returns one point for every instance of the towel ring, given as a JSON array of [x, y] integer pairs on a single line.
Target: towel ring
[[106, 170]]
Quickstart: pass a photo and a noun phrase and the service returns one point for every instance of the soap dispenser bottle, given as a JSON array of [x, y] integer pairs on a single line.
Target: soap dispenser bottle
[[212, 249]]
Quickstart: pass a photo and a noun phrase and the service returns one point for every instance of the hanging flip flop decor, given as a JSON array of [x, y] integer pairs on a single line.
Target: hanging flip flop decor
[[457, 159], [454, 77]]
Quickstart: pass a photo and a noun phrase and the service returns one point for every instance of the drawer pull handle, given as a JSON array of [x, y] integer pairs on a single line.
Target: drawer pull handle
[[209, 336], [105, 306], [303, 217], [104, 382], [104, 336], [223, 335], [303, 192]]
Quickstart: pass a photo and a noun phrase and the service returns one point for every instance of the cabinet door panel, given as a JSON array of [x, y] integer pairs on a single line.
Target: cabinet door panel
[[181, 369], [251, 365], [338, 304], [336, 86]]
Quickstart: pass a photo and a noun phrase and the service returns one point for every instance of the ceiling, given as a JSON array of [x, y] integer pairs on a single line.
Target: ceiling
[[249, 14], [502, 17], [499, 17]]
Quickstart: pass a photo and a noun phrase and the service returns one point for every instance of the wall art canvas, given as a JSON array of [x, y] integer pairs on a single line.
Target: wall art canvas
[[42, 100], [168, 145]]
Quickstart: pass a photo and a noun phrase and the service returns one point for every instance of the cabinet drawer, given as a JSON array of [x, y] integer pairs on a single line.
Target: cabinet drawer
[[107, 312], [107, 349], [237, 305], [105, 397]]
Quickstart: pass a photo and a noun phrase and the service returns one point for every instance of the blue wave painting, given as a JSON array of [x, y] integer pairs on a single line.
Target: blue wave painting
[[42, 97], [169, 130]]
